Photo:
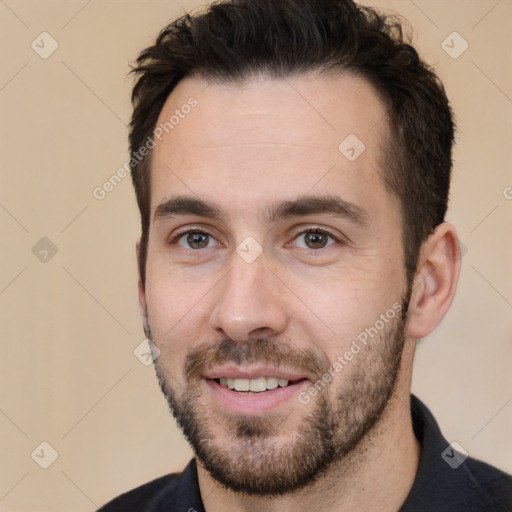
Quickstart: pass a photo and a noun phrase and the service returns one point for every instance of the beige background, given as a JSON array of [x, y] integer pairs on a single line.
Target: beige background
[[70, 325]]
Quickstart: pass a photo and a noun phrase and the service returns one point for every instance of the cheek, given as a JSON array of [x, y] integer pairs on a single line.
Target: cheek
[[335, 309], [174, 309], [172, 290]]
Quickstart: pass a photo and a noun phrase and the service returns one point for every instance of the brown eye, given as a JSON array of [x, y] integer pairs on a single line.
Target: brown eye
[[315, 239], [195, 240]]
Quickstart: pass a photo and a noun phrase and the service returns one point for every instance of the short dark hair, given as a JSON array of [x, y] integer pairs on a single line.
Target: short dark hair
[[234, 40]]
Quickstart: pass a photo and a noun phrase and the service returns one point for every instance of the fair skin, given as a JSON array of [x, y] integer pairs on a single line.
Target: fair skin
[[245, 148]]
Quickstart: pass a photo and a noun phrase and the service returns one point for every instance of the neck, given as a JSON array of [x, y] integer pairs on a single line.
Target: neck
[[376, 476]]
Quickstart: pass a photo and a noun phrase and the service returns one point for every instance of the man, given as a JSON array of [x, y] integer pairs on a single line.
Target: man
[[291, 160]]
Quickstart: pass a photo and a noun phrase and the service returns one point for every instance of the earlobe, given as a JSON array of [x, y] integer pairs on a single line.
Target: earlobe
[[435, 281]]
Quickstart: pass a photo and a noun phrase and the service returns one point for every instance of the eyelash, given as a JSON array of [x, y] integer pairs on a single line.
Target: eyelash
[[311, 229]]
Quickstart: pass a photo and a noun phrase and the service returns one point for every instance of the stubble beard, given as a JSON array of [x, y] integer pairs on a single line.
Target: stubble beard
[[247, 454]]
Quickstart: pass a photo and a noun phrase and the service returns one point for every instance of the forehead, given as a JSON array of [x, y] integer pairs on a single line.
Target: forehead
[[266, 139]]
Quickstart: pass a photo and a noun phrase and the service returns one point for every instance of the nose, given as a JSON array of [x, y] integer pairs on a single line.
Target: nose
[[250, 302]]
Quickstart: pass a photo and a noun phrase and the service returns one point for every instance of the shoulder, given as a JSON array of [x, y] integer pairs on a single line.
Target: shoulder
[[448, 480], [140, 498], [488, 485]]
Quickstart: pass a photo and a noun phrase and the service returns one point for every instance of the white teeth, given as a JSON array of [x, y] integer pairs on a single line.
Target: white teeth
[[242, 384], [258, 384], [272, 382], [255, 385]]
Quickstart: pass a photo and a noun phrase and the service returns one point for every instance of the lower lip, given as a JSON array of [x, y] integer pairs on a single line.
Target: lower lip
[[256, 403]]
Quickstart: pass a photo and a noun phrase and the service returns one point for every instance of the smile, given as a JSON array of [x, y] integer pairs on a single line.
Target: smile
[[257, 395], [257, 385]]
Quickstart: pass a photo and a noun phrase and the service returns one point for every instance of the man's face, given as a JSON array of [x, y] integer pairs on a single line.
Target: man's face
[[271, 253]]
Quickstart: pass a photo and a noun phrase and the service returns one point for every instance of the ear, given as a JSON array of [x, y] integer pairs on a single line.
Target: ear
[[435, 281], [142, 295]]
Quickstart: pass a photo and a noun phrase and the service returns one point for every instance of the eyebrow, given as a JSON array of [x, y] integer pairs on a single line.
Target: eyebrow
[[302, 206]]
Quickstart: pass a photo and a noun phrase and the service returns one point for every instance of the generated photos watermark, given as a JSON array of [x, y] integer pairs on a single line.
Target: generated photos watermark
[[356, 347], [166, 127]]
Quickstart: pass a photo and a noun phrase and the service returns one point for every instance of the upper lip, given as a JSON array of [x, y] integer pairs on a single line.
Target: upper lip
[[253, 372]]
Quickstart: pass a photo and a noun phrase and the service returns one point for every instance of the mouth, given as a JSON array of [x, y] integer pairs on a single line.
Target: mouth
[[253, 391], [256, 385]]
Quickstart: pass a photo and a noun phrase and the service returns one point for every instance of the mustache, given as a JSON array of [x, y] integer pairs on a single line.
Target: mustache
[[261, 350]]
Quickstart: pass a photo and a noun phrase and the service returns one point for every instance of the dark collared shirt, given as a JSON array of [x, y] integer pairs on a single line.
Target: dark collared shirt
[[446, 481]]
